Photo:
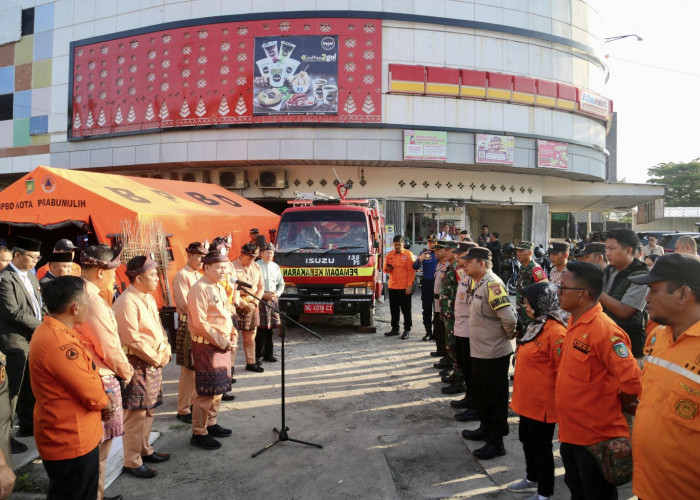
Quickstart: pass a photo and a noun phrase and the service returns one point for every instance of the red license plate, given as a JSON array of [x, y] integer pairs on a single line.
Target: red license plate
[[323, 308]]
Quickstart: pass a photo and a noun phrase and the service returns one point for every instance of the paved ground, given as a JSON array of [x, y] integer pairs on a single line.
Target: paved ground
[[375, 405]]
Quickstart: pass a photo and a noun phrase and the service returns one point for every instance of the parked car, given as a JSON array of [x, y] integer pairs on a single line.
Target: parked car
[[644, 235], [668, 242]]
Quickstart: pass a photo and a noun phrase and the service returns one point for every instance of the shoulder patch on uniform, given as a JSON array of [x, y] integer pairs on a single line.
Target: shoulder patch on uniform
[[498, 297], [3, 374], [3, 358], [558, 341], [614, 338], [621, 349], [539, 274], [71, 350]]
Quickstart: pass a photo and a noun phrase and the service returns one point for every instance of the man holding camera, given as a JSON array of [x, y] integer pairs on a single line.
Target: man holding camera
[[399, 266]]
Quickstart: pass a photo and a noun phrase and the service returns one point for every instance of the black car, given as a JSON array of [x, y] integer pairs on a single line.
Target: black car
[[668, 242]]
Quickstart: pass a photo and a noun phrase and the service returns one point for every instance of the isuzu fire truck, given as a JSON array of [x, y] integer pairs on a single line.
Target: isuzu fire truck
[[330, 251]]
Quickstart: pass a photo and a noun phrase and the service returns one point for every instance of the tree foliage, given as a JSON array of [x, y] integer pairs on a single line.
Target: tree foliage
[[682, 182]]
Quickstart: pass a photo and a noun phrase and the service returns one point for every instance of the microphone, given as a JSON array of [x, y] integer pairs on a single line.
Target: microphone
[[240, 283]]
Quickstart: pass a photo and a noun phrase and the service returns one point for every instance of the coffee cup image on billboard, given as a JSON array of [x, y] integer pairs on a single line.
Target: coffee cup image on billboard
[[296, 75]]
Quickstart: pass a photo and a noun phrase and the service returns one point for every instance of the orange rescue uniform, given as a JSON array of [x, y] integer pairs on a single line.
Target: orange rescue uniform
[[536, 374], [596, 364], [666, 434], [403, 274], [68, 390]]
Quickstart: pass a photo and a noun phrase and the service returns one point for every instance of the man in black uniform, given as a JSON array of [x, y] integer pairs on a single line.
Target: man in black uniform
[[428, 260]]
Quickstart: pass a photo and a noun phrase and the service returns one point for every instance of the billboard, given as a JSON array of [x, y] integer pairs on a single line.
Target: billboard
[[499, 149], [552, 154], [424, 145], [308, 70]]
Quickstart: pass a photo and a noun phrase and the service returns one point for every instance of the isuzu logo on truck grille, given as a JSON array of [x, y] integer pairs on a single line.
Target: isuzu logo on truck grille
[[320, 260]]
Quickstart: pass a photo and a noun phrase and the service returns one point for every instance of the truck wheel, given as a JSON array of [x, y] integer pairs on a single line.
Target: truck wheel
[[367, 316]]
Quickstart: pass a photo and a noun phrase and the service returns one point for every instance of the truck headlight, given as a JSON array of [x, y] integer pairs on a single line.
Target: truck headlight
[[290, 290]]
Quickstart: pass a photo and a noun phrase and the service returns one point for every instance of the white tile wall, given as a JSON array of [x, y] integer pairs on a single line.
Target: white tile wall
[[391, 150], [562, 124], [542, 123], [429, 47], [296, 149], [488, 53], [21, 164], [563, 68], [150, 17], [334, 5], [458, 9], [63, 13], [496, 116], [84, 12], [540, 61], [561, 29], [397, 45], [127, 155], [406, 6], [364, 150], [467, 113], [367, 5], [149, 153], [327, 149], [41, 102], [127, 6], [6, 131], [101, 158], [201, 151], [183, 10], [516, 4], [60, 160], [424, 8], [516, 57], [60, 70], [79, 159], [128, 21], [516, 18], [517, 118], [561, 11], [106, 25], [299, 5], [488, 14], [206, 8], [231, 150], [540, 23], [105, 8], [263, 149], [83, 30], [430, 111], [61, 40], [541, 7], [459, 50]]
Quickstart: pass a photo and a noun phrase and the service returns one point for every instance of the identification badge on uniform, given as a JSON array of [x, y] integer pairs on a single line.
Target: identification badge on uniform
[[462, 297], [580, 346], [3, 373], [686, 409], [538, 273], [621, 349], [497, 295], [71, 351]]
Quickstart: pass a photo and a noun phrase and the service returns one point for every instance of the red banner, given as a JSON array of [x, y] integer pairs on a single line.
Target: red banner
[[208, 75]]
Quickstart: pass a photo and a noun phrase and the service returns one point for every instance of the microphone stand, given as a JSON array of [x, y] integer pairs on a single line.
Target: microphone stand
[[282, 432]]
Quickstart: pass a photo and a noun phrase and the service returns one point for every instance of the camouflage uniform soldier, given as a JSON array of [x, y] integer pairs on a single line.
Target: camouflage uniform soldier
[[448, 293], [530, 272]]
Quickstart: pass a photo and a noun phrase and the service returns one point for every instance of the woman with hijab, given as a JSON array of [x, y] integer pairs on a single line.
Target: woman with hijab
[[538, 354]]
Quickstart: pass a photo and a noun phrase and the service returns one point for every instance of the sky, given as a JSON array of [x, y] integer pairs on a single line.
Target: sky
[[655, 83]]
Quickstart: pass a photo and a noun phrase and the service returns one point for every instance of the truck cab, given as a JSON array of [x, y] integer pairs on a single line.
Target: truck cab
[[330, 253]]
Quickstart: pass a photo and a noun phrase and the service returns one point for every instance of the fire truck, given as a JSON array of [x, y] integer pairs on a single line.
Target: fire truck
[[330, 251]]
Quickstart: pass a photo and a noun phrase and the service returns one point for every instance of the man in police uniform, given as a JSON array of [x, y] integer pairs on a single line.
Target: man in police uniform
[[530, 272], [491, 327], [438, 325], [667, 428], [429, 262], [594, 253], [559, 255]]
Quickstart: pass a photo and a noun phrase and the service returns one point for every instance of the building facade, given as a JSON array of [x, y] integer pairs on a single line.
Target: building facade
[[453, 113]]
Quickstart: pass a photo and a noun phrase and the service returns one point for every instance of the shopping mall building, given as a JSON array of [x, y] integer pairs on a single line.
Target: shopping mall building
[[458, 112]]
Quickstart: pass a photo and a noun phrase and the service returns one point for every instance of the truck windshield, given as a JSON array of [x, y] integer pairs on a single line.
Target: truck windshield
[[342, 231]]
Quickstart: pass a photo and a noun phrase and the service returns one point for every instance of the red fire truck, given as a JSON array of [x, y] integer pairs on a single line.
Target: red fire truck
[[331, 254]]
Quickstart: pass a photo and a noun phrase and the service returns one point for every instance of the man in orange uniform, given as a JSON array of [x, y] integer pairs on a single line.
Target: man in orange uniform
[[61, 246], [667, 426], [70, 397], [539, 351], [597, 379], [399, 265], [211, 327], [147, 349], [247, 310], [101, 338], [182, 282]]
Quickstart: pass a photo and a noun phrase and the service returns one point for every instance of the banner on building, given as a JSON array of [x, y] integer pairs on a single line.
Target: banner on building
[[552, 154], [499, 149], [424, 145]]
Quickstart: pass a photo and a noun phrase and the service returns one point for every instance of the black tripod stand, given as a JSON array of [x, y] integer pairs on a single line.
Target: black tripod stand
[[282, 431]]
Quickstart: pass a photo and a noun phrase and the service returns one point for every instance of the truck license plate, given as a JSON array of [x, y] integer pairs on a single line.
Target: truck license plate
[[318, 308]]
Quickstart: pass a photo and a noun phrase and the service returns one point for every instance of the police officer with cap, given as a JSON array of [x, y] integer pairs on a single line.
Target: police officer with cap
[[491, 327], [559, 255], [594, 253]]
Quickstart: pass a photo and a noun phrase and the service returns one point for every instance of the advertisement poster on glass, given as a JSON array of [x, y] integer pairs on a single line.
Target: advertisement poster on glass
[[552, 154], [499, 149], [424, 145], [296, 75]]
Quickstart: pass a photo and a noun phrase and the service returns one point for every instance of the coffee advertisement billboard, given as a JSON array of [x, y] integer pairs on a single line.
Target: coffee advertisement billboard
[[296, 75]]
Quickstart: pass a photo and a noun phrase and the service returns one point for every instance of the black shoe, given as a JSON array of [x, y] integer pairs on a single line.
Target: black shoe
[[435, 354], [404, 335], [455, 388], [448, 379], [442, 364], [207, 442], [142, 471], [156, 458], [467, 416], [233, 380], [461, 403], [218, 432], [391, 333], [228, 397], [17, 447], [25, 432], [475, 435], [118, 497], [427, 336], [270, 359], [259, 361], [186, 418], [254, 368], [490, 450], [444, 373]]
